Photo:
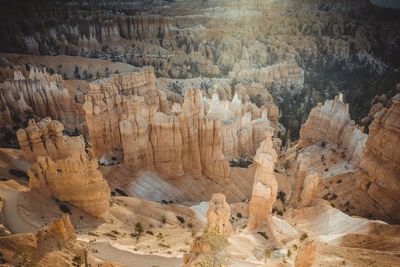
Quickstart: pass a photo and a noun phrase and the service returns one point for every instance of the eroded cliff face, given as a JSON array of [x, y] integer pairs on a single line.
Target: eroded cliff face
[[381, 160], [198, 137], [289, 44], [37, 94], [285, 74], [46, 138], [369, 162], [265, 186], [108, 102], [326, 122], [331, 123], [74, 179]]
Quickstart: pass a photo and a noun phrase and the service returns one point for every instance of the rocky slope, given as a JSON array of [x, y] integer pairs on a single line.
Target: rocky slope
[[316, 47]]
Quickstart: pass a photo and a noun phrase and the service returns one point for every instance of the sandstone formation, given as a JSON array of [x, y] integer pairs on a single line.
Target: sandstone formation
[[45, 138], [197, 138], [108, 99], [331, 123], [310, 187], [59, 229], [306, 255], [3, 229], [303, 164], [40, 94], [74, 179], [381, 160], [218, 213], [284, 74], [326, 123], [265, 186]]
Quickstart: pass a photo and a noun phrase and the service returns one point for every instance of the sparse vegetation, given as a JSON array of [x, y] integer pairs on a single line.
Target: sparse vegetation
[[281, 195], [267, 254], [121, 192], [139, 229], [240, 163], [77, 261], [160, 236], [303, 237], [164, 245], [180, 219], [18, 173], [93, 234], [217, 253], [64, 208]]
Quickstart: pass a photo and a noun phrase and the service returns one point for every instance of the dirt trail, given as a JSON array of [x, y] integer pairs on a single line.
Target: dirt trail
[[14, 221]]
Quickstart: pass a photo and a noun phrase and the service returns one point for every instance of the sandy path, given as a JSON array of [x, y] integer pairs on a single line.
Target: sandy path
[[108, 252], [14, 221]]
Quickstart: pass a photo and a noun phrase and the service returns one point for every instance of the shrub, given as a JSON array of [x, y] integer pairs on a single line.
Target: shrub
[[18, 173], [160, 236], [139, 228], [121, 192], [92, 234], [267, 254], [163, 245], [149, 232], [289, 253], [77, 261], [281, 195], [115, 232], [239, 215], [64, 208], [181, 219], [303, 237]]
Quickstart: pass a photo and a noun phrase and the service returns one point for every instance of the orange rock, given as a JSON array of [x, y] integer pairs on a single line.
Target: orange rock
[[46, 138], [265, 186], [74, 179], [306, 255], [218, 213], [381, 160]]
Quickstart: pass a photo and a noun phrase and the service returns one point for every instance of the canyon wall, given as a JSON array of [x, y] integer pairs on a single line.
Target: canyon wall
[[197, 137], [331, 123], [39, 94], [45, 138], [374, 156], [74, 179], [381, 160], [285, 74]]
